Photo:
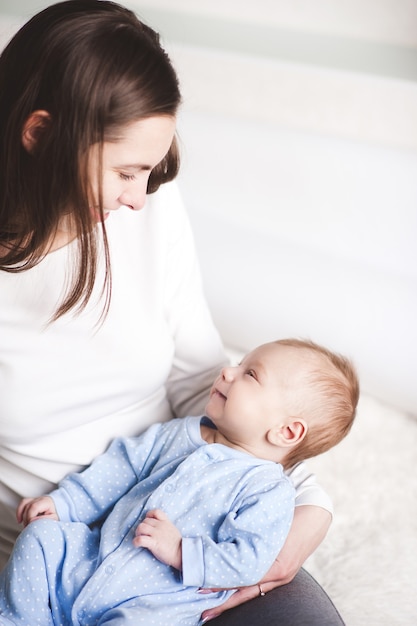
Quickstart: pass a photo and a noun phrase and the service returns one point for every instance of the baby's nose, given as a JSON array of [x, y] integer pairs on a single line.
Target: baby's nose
[[228, 373]]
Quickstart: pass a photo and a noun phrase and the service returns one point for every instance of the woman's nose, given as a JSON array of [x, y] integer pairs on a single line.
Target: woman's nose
[[134, 197]]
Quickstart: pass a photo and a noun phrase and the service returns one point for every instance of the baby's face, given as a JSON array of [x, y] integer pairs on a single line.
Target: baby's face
[[259, 393]]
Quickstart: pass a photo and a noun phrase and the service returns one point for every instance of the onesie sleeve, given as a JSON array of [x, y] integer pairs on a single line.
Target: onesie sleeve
[[247, 541], [88, 496], [198, 350], [308, 491]]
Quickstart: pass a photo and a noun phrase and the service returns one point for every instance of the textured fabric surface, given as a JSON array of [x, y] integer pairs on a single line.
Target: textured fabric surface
[[300, 603]]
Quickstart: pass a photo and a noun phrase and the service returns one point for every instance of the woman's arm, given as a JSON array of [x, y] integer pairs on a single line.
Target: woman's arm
[[309, 527]]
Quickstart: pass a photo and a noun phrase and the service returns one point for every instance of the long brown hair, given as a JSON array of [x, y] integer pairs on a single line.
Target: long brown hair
[[93, 67]]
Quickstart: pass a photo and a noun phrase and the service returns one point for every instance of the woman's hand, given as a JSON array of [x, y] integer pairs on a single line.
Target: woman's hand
[[309, 527], [30, 509]]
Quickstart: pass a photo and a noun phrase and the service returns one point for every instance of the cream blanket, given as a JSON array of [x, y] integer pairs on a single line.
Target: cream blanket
[[368, 561]]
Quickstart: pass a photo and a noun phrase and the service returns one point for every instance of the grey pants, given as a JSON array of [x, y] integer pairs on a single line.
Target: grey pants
[[300, 603]]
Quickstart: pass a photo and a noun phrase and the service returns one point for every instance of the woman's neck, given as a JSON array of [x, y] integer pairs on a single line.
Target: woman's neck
[[65, 234]]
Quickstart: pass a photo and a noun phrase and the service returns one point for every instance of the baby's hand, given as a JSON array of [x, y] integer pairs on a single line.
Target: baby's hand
[[159, 535], [30, 509]]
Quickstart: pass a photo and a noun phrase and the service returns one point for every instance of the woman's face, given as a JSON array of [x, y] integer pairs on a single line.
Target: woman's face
[[126, 166], [128, 162]]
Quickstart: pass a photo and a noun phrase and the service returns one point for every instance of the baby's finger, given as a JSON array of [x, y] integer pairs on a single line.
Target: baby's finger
[[39, 507], [21, 509], [156, 514], [145, 527]]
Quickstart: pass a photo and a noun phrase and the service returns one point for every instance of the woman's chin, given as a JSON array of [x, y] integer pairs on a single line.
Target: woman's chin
[[95, 214]]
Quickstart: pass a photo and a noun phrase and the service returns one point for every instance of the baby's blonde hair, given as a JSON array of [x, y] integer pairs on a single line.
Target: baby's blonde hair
[[330, 406]]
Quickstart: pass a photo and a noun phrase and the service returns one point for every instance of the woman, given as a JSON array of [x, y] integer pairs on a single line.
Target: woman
[[103, 323]]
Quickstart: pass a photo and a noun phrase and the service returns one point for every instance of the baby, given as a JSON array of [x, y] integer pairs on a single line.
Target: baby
[[193, 503]]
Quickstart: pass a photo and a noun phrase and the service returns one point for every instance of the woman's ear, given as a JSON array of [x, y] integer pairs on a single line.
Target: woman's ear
[[289, 434], [33, 129]]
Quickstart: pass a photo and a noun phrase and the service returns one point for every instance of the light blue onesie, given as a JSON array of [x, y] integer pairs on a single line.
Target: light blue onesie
[[233, 510]]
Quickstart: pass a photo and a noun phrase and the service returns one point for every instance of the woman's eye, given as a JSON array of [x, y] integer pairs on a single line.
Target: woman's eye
[[126, 176]]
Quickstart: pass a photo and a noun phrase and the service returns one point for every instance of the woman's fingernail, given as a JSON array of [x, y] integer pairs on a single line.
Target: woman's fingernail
[[209, 617]]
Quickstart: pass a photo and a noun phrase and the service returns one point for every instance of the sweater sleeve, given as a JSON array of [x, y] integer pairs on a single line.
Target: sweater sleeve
[[247, 541], [199, 353], [308, 491]]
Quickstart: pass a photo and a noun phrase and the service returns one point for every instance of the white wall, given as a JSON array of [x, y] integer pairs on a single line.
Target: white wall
[[308, 236], [387, 21], [300, 175], [300, 163]]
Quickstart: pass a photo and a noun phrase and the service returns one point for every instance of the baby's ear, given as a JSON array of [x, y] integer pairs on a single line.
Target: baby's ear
[[33, 129], [288, 434]]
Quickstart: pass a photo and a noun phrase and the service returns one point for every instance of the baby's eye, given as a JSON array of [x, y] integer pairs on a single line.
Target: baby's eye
[[251, 373], [126, 176]]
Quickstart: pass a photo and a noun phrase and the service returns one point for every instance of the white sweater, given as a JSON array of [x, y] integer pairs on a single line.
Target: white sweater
[[69, 387]]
